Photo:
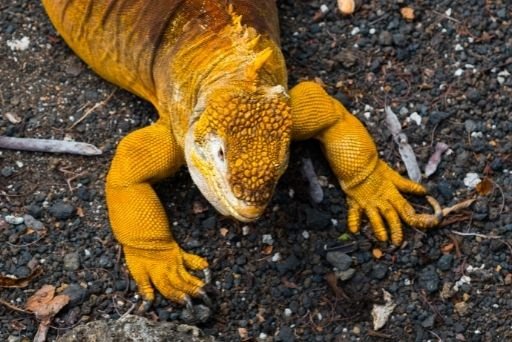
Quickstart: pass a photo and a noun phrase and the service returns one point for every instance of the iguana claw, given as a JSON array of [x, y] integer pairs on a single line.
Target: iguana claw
[[144, 306], [206, 299]]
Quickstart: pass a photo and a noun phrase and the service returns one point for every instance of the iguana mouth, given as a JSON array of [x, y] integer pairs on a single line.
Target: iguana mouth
[[216, 189]]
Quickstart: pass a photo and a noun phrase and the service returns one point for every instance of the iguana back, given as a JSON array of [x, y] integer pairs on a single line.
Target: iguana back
[[122, 40]]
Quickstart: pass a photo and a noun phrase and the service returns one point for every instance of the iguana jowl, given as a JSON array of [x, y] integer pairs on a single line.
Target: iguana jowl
[[215, 73]]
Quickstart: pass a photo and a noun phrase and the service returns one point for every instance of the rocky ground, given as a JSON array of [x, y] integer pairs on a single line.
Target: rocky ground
[[447, 75]]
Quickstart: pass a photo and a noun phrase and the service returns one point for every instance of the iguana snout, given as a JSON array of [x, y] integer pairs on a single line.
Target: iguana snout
[[237, 149]]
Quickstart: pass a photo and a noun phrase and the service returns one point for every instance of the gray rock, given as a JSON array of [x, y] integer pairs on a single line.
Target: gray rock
[[469, 125], [76, 293], [7, 171], [473, 95], [429, 279], [62, 210], [340, 260], [31, 222], [134, 328], [199, 314], [286, 334], [445, 262], [379, 271], [71, 261], [428, 322]]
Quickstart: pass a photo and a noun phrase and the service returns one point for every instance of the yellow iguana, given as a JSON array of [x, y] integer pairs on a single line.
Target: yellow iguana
[[215, 73]]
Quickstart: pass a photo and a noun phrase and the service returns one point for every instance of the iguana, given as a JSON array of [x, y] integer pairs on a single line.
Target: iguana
[[217, 77]]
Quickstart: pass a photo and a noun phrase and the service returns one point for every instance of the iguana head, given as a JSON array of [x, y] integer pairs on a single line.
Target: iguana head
[[237, 148]]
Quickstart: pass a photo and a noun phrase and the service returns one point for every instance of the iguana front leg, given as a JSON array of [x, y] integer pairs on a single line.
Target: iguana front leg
[[372, 187], [138, 218]]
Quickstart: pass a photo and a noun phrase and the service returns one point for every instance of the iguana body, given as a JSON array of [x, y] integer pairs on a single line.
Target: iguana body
[[215, 73]]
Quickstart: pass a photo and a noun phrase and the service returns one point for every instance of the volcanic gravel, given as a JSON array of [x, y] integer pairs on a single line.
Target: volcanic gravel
[[451, 66]]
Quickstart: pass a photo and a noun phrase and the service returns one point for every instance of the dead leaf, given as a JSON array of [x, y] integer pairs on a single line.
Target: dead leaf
[[80, 212], [377, 253], [448, 247], [242, 332], [407, 13], [12, 282], [44, 304], [346, 7], [485, 187], [288, 284], [267, 250], [435, 159], [381, 313]]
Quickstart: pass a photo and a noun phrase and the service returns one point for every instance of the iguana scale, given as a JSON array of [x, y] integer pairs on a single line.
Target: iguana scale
[[216, 75]]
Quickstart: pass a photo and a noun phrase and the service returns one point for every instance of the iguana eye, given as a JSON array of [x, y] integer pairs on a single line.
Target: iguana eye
[[220, 154]]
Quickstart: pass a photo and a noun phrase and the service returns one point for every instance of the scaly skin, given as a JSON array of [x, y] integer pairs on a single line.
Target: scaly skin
[[217, 77]]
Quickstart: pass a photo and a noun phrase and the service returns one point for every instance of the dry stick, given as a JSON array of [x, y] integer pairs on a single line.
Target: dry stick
[[483, 236], [13, 307], [90, 110], [48, 145]]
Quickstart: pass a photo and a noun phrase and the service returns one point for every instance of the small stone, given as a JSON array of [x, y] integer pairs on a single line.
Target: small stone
[[345, 275], [71, 261], [429, 279], [445, 262], [461, 308], [473, 95], [7, 171], [316, 219], [200, 314], [379, 271], [209, 223], [286, 334], [76, 294], [14, 219], [287, 312], [31, 222], [339, 260], [428, 322], [385, 38], [267, 239], [399, 39], [471, 180], [62, 210], [470, 126]]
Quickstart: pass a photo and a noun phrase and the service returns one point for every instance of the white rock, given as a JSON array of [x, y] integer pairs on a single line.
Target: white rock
[[471, 180], [14, 219], [324, 8], [19, 44], [372, 31], [287, 312], [459, 47], [305, 234], [276, 257], [245, 230], [448, 12], [477, 134], [415, 117], [463, 280], [267, 239], [355, 31], [458, 72]]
